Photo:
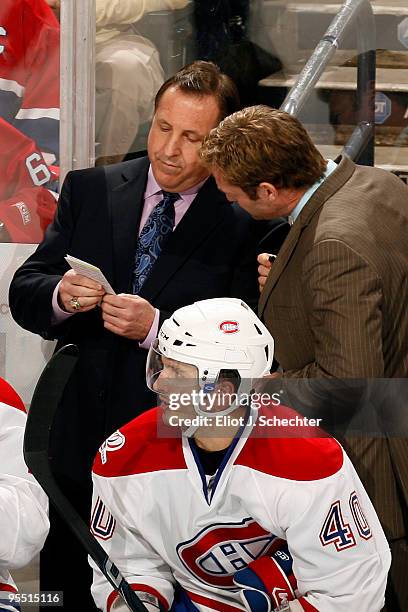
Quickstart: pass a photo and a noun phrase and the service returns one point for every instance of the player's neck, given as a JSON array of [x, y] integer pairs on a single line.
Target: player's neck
[[210, 439], [212, 444]]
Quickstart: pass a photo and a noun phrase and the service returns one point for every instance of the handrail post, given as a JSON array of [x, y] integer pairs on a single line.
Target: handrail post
[[366, 69], [360, 13]]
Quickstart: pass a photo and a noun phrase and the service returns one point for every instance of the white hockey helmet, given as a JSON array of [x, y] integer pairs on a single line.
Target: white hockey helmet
[[214, 335]]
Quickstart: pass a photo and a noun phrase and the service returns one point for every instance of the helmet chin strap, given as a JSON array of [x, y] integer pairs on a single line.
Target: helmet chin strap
[[190, 431]]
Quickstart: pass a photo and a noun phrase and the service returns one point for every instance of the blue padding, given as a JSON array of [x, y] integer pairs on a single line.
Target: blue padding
[[247, 577], [256, 601], [182, 602], [284, 564]]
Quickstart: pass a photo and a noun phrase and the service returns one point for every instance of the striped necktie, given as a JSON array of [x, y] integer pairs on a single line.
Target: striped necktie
[[154, 234]]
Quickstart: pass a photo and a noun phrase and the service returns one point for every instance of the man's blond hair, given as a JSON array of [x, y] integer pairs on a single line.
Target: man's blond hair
[[261, 144]]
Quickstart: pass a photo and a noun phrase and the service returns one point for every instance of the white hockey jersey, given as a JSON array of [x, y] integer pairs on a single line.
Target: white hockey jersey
[[23, 504], [155, 516]]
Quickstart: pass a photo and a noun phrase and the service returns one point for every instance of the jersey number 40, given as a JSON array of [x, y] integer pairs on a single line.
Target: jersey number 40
[[336, 531]]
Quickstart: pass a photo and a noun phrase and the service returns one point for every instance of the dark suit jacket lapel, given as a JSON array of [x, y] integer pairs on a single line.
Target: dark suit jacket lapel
[[200, 219], [325, 191], [126, 185]]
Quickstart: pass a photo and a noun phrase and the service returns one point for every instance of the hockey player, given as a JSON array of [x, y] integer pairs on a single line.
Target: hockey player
[[29, 110], [27, 188], [23, 504], [214, 519], [29, 72]]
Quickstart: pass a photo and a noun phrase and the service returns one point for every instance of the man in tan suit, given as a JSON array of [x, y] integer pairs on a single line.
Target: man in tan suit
[[336, 297]]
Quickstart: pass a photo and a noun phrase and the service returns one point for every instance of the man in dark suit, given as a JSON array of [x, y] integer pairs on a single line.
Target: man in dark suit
[[335, 299], [101, 215]]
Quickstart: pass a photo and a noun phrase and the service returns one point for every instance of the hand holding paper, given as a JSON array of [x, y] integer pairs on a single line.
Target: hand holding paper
[[92, 272], [82, 288]]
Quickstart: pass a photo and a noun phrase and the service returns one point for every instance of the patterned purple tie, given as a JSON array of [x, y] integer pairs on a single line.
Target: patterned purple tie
[[154, 234]]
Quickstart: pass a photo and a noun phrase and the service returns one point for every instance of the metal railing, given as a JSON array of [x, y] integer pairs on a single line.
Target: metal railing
[[359, 13]]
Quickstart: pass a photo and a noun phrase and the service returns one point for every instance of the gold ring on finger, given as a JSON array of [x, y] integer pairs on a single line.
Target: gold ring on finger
[[75, 303]]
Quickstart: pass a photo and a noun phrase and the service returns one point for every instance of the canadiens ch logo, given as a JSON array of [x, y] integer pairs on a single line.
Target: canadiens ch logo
[[220, 550], [113, 443], [229, 327]]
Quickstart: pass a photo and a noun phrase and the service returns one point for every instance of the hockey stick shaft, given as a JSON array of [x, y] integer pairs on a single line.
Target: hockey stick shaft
[[46, 398]]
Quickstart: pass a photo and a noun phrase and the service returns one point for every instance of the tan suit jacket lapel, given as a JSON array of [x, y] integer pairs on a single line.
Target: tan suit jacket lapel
[[336, 180]]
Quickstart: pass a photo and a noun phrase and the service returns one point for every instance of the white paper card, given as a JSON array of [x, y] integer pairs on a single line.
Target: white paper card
[[90, 271]]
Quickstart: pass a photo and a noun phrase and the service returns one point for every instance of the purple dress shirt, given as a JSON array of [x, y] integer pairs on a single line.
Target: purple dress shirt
[[152, 197]]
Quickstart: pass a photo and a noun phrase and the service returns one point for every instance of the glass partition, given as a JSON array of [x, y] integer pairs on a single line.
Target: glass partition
[[29, 119], [137, 48], [263, 45], [29, 164], [331, 113], [115, 55]]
